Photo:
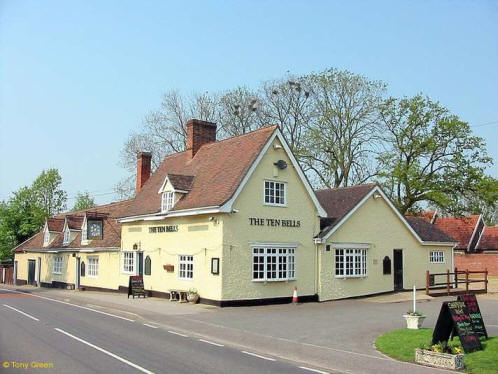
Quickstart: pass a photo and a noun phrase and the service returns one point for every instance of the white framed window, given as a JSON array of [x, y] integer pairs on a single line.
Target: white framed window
[[350, 262], [436, 257], [167, 201], [57, 269], [67, 237], [129, 262], [92, 267], [46, 238], [186, 267], [275, 193], [273, 263]]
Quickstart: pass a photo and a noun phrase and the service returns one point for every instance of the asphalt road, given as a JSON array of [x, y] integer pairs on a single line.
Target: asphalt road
[[76, 339]]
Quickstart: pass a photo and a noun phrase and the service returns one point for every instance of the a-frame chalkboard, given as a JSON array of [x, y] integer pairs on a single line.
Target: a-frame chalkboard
[[136, 286], [474, 314], [453, 317]]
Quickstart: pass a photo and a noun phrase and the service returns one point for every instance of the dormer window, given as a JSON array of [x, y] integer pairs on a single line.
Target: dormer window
[[46, 238], [84, 233], [167, 201], [94, 229], [67, 237]]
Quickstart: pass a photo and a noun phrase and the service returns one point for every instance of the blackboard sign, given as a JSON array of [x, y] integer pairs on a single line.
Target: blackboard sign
[[136, 286], [453, 318], [474, 314]]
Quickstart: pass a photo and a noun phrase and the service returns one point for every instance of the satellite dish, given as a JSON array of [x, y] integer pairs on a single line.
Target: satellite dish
[[281, 164]]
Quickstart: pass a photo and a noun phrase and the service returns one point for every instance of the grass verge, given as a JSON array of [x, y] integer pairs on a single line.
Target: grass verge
[[400, 344]]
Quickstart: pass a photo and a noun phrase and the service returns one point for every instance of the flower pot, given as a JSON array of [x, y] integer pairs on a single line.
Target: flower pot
[[169, 268], [193, 298], [413, 322], [439, 360]]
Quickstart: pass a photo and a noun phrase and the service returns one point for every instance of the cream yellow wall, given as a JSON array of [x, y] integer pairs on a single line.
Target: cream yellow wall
[[198, 236], [47, 264], [376, 224], [238, 234], [108, 270]]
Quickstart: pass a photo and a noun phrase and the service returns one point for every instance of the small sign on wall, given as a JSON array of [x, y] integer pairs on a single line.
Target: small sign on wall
[[215, 265]]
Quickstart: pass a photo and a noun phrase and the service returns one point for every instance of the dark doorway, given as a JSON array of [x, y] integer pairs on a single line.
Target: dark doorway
[[77, 279], [140, 263], [31, 271], [398, 269]]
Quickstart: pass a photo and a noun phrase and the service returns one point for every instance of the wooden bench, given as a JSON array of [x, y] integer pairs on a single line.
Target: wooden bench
[[178, 295]]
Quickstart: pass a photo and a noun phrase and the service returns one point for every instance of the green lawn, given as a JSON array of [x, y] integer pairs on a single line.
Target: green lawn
[[401, 344]]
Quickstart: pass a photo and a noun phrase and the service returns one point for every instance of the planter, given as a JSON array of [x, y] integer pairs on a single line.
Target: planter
[[169, 268], [439, 360], [193, 298], [414, 322]]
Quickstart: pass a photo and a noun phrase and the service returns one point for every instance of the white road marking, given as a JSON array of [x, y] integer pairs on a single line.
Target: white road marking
[[19, 311], [177, 333], [75, 305], [213, 343], [154, 327], [313, 370], [106, 352], [255, 355]]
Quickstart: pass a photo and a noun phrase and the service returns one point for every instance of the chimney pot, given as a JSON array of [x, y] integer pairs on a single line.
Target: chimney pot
[[143, 169], [199, 133]]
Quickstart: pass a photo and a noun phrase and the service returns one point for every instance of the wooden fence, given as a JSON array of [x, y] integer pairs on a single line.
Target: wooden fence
[[452, 281]]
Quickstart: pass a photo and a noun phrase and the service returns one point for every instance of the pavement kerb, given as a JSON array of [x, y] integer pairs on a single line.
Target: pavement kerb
[[310, 354]]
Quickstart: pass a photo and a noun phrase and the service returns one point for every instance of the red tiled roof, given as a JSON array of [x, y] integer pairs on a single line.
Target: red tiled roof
[[489, 239], [55, 224], [218, 169], [111, 229], [459, 228], [427, 215], [338, 202], [181, 182], [427, 231]]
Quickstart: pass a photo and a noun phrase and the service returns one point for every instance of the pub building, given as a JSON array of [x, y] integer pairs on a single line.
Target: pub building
[[238, 221]]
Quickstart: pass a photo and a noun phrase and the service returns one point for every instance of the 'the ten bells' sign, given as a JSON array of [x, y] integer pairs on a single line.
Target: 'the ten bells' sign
[[274, 222]]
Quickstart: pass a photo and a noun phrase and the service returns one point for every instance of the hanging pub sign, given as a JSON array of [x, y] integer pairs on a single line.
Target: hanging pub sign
[[136, 286], [274, 222], [454, 320], [474, 314], [160, 229]]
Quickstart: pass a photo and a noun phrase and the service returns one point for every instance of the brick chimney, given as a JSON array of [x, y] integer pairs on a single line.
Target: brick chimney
[[199, 133], [143, 169]]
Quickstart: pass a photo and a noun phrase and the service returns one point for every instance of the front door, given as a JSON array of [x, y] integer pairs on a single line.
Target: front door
[[31, 271], [140, 263], [398, 269]]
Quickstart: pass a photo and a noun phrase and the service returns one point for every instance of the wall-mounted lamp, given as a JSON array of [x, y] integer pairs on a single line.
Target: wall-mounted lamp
[[377, 195], [213, 219]]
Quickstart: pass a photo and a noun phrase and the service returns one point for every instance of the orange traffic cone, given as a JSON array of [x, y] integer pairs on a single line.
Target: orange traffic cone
[[294, 296]]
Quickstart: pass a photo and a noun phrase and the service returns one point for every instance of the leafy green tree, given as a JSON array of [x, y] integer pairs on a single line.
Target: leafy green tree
[[83, 201], [431, 157], [47, 188], [25, 212]]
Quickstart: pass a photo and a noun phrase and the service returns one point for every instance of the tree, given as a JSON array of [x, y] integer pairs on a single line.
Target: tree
[[341, 139], [46, 188], [238, 112], [431, 156], [20, 218], [163, 132], [24, 214], [83, 201], [288, 103]]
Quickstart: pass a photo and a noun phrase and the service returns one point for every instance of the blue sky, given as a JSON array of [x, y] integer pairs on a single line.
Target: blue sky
[[76, 77]]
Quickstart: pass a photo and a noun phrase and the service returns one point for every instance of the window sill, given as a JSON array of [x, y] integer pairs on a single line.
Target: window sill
[[275, 205], [57, 273], [186, 279], [128, 272], [350, 276], [273, 280], [92, 276]]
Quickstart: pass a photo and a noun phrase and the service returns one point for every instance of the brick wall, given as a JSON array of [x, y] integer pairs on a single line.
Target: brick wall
[[477, 261]]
